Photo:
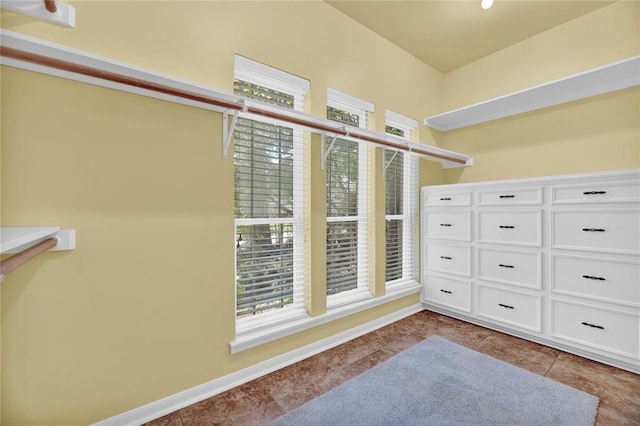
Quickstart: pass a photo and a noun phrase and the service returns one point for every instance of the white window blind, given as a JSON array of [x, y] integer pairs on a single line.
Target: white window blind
[[401, 205], [348, 183], [268, 193]]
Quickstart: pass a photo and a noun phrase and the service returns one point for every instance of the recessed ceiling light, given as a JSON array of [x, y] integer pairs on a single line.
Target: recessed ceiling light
[[486, 4]]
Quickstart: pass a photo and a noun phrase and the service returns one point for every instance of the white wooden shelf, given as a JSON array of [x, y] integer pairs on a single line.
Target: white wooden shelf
[[615, 76], [14, 239], [65, 14]]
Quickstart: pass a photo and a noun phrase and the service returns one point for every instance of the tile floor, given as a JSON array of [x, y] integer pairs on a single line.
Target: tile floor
[[268, 397]]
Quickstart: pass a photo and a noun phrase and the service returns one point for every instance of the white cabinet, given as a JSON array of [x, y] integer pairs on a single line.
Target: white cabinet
[[443, 199], [449, 292], [511, 307], [513, 267], [449, 259], [513, 197], [594, 326], [510, 227], [449, 225], [555, 260], [609, 230]]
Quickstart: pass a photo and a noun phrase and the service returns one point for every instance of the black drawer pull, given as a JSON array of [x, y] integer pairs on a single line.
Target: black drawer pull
[[589, 277], [445, 291], [599, 327], [505, 266], [445, 199], [446, 257], [593, 229], [506, 227], [594, 192], [445, 224], [507, 196], [505, 306]]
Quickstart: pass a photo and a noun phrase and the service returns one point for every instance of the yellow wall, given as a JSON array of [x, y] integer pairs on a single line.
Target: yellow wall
[[595, 134], [144, 307]]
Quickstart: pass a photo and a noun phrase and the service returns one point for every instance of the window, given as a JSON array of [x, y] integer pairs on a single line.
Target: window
[[348, 185], [267, 200], [401, 205]]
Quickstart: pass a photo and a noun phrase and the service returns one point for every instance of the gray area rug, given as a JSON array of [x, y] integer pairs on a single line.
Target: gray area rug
[[437, 382]]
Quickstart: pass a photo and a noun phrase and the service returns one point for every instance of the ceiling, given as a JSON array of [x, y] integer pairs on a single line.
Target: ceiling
[[450, 34]]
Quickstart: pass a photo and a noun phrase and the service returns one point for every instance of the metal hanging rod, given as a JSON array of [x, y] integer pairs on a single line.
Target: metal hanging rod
[[50, 5], [11, 264], [21, 50]]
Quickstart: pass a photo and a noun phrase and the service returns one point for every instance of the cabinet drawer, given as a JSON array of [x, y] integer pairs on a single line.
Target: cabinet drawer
[[616, 332], [605, 279], [449, 225], [448, 292], [520, 227], [598, 193], [510, 197], [510, 267], [522, 310], [450, 259], [443, 199], [615, 231]]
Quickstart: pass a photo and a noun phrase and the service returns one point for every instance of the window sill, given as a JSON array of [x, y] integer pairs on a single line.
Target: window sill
[[250, 340]]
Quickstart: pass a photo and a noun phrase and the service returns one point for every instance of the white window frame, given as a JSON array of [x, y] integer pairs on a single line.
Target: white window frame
[[409, 215], [256, 73], [362, 109]]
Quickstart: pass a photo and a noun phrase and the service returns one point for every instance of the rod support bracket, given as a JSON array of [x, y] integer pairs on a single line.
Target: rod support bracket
[[386, 164], [229, 128], [324, 154]]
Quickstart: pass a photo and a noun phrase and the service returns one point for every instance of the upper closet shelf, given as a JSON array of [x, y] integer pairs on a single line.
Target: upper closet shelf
[[597, 81], [46, 10], [14, 239]]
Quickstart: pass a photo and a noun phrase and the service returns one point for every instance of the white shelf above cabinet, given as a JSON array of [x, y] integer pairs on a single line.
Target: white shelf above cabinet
[[14, 239], [615, 76]]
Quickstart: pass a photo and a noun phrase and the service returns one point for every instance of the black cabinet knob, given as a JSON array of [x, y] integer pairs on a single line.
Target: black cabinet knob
[[599, 327], [505, 306]]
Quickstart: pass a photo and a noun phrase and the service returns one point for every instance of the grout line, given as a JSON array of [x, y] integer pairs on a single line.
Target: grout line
[[551, 366]]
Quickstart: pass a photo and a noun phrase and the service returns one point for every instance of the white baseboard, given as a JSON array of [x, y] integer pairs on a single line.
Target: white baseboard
[[174, 402]]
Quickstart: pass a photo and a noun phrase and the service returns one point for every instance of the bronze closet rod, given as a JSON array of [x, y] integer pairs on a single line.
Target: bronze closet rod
[[14, 262], [143, 84], [51, 6]]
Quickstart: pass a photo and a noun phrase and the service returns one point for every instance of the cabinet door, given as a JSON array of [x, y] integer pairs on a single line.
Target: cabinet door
[[510, 197], [510, 307], [519, 227], [610, 280], [510, 267], [449, 259], [615, 231], [452, 225], [596, 193], [448, 292], [617, 332], [447, 198]]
